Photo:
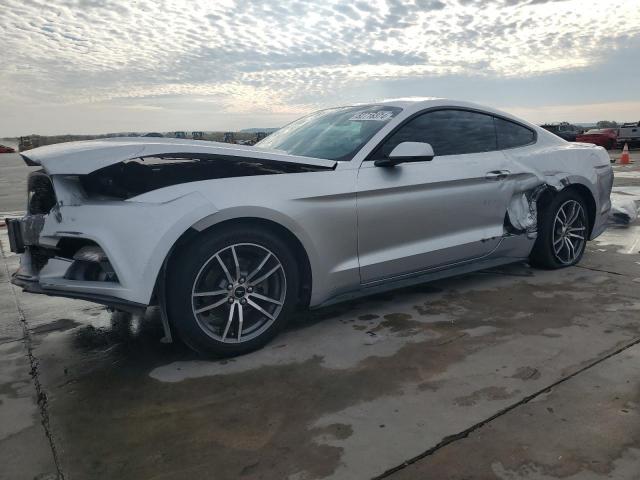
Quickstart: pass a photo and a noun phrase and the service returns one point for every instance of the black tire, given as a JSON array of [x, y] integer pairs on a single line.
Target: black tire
[[543, 254], [189, 266]]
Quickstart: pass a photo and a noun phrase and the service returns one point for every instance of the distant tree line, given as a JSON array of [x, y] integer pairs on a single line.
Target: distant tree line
[[607, 124]]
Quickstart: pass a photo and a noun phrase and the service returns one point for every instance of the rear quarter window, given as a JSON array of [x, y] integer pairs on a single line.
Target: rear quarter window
[[512, 135]]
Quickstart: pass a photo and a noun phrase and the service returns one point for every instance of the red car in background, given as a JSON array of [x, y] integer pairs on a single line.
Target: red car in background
[[604, 137], [4, 149]]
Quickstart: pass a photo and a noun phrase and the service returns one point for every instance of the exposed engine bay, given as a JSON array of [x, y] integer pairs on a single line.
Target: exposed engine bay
[[134, 177]]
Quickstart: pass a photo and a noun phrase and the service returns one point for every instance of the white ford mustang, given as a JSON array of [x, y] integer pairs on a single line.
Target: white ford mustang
[[345, 202]]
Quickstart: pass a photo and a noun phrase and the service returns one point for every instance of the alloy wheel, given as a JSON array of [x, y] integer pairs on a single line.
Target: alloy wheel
[[569, 232], [239, 292]]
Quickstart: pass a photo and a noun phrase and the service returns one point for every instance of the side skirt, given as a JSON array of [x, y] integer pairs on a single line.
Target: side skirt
[[419, 278]]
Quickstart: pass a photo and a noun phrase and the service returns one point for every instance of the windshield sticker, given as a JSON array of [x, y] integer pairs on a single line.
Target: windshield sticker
[[381, 116]]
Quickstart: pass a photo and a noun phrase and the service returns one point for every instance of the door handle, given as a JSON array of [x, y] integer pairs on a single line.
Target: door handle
[[497, 175]]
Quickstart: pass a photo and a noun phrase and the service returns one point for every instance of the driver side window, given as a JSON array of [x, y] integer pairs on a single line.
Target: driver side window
[[450, 132]]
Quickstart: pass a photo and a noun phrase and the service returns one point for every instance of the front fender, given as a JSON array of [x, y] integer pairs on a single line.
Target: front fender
[[263, 213]]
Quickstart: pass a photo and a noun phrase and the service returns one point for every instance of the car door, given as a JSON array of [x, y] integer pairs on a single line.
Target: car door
[[429, 214]]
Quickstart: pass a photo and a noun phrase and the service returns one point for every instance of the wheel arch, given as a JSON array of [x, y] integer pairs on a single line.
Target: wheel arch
[[581, 189], [209, 224]]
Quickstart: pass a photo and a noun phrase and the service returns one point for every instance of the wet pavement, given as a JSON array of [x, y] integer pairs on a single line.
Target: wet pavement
[[512, 373]]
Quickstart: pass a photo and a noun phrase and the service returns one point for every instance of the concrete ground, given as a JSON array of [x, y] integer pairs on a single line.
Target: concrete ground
[[512, 373]]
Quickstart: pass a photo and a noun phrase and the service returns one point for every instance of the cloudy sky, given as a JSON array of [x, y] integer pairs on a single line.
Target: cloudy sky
[[90, 66]]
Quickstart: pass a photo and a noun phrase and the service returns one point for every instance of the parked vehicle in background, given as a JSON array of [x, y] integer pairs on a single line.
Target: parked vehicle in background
[[5, 149], [604, 137], [629, 133], [25, 144], [564, 130], [153, 135], [230, 240], [261, 136]]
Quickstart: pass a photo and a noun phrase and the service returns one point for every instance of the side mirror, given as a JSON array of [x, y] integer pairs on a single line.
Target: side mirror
[[407, 152]]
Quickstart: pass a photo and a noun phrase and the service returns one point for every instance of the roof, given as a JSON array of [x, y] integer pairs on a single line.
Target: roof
[[415, 104]]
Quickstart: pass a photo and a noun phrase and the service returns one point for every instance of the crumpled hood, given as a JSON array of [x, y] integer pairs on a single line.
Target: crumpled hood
[[81, 158]]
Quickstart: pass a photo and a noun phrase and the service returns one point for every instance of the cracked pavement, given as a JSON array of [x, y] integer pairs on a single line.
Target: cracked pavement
[[512, 373]]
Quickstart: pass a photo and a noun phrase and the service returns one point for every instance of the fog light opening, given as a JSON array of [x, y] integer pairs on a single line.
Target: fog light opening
[[90, 263]]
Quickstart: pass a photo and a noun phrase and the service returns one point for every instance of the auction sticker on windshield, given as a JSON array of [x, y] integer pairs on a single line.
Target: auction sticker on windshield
[[381, 116]]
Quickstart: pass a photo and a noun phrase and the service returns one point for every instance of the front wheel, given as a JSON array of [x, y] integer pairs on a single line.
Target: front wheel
[[563, 229], [232, 290]]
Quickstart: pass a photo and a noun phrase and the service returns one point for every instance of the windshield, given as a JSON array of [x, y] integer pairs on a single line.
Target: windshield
[[334, 134]]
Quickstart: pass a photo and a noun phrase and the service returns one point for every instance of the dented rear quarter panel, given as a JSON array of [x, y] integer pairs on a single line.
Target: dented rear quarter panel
[[562, 165]]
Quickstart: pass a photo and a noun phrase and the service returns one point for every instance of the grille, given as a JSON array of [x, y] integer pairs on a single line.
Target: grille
[[41, 198]]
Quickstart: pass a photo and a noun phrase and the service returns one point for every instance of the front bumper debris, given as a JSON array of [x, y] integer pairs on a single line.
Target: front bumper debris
[[32, 285], [24, 231], [16, 242]]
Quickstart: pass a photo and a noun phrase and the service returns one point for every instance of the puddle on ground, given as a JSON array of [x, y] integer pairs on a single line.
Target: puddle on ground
[[59, 325], [526, 373], [485, 394]]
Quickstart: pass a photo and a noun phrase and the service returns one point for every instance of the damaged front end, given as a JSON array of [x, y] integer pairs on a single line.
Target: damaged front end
[[67, 258], [100, 221]]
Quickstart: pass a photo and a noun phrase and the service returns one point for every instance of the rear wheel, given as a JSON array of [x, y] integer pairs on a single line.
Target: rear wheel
[[231, 291], [562, 232]]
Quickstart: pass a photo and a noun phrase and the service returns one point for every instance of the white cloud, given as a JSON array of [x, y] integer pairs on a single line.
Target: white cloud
[[289, 56]]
